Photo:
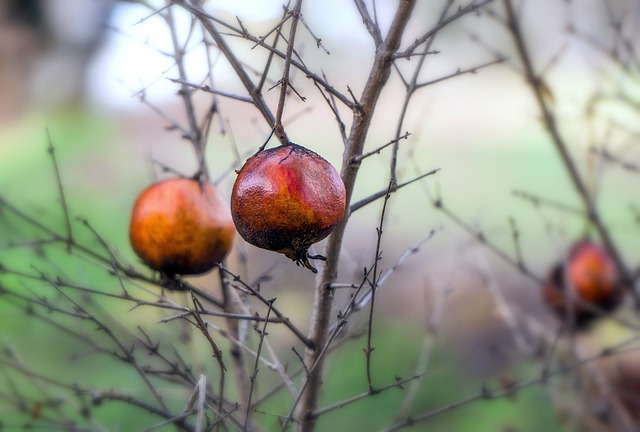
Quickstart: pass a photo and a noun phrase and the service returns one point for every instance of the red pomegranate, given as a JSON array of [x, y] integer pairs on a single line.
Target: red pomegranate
[[585, 286], [287, 198], [181, 226]]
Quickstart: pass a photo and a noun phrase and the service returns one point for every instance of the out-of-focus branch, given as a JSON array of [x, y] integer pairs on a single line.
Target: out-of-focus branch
[[411, 88], [474, 6], [540, 91], [195, 134], [489, 394]]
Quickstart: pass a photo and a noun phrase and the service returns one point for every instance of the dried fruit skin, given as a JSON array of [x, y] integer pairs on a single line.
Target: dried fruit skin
[[287, 198], [180, 226], [586, 285]]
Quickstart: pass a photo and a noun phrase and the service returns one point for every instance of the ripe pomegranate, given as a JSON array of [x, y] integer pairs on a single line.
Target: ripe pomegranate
[[585, 285], [181, 226], [287, 198]]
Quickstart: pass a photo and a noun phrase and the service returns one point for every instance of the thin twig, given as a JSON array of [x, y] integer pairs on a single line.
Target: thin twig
[[459, 72], [489, 394], [363, 156], [515, 235], [195, 134], [411, 88], [473, 6], [200, 14], [238, 68], [609, 157], [284, 81], [286, 321], [341, 404], [482, 239], [61, 195], [208, 89], [232, 306], [371, 25], [217, 354], [263, 334], [374, 286], [380, 194], [538, 201]]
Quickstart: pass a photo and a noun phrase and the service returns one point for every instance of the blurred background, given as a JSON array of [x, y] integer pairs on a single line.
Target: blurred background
[[95, 77]]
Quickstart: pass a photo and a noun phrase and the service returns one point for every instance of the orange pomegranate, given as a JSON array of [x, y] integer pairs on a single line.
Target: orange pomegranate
[[181, 226], [585, 285], [287, 198]]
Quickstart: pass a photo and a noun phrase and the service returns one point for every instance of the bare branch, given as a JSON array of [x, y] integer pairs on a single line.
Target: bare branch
[[269, 303], [240, 71], [376, 196], [61, 195], [363, 156], [195, 134], [284, 81], [372, 27], [263, 334], [320, 321], [472, 7], [208, 89], [538, 88], [203, 16], [343, 403], [374, 287], [459, 72]]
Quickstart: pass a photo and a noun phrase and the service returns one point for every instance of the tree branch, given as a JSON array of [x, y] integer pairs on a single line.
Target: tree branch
[[539, 89], [321, 315]]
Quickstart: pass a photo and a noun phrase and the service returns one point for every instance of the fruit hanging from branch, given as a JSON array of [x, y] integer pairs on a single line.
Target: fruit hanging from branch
[[181, 227], [585, 286], [287, 198]]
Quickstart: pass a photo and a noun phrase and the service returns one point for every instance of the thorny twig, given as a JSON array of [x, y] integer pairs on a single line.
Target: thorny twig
[[374, 286], [284, 81], [217, 353]]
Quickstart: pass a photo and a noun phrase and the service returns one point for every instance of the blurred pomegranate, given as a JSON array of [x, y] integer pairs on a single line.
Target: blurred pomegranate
[[585, 286], [181, 226], [287, 198]]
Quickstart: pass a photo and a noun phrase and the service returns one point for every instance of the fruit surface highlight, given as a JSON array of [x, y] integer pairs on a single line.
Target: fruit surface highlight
[[181, 226], [287, 198], [586, 285]]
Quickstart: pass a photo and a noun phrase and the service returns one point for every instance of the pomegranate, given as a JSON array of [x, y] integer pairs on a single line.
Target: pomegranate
[[287, 198], [585, 286], [181, 226]]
